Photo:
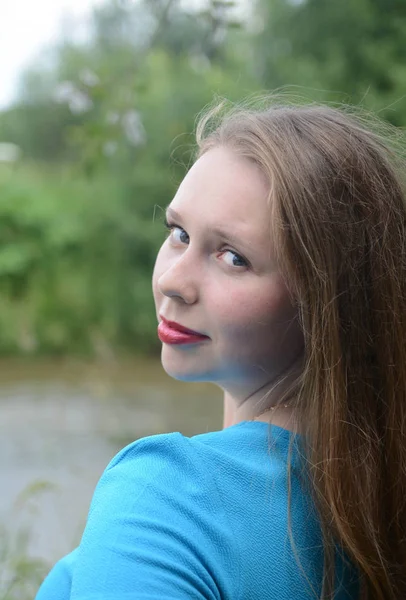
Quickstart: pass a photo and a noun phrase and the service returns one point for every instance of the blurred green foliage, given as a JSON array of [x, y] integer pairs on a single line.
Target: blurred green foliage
[[352, 51], [106, 134], [75, 263]]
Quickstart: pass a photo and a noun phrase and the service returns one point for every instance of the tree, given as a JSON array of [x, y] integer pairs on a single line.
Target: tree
[[341, 50]]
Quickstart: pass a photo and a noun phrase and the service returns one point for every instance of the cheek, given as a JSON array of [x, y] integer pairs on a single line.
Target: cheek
[[263, 304], [260, 315]]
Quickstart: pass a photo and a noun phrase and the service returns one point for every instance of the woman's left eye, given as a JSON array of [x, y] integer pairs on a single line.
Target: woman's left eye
[[233, 259]]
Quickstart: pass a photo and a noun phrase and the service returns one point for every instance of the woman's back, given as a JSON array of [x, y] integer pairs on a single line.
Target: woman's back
[[203, 517]]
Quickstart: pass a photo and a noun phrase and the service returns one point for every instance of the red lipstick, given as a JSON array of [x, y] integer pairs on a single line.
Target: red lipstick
[[170, 332]]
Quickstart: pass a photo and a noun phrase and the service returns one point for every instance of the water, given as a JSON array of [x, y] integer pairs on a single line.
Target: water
[[61, 423]]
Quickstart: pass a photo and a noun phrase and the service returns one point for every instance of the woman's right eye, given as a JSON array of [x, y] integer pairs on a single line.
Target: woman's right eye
[[177, 234]]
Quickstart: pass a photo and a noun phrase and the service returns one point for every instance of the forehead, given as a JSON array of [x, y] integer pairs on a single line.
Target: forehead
[[225, 188]]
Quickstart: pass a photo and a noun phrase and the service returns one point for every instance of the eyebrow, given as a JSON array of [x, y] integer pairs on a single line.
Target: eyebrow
[[234, 240]]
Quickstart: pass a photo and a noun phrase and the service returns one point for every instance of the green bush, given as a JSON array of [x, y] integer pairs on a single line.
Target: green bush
[[75, 264]]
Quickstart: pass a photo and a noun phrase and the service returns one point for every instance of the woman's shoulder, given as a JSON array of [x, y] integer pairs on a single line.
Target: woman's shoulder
[[151, 531], [152, 450], [238, 470], [170, 468]]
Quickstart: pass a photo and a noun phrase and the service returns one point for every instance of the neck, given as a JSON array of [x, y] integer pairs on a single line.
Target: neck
[[271, 403], [282, 415]]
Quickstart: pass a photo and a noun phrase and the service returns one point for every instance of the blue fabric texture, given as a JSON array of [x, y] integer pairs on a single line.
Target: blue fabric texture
[[199, 518]]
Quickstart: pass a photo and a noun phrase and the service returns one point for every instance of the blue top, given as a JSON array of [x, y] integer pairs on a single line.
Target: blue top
[[200, 518]]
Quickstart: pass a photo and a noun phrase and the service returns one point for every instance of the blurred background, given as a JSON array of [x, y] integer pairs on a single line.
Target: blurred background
[[98, 100]]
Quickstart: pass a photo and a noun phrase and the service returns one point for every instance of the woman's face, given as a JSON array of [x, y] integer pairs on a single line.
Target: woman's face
[[216, 274]]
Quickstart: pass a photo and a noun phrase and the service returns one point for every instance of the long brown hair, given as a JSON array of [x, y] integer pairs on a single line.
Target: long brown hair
[[339, 222]]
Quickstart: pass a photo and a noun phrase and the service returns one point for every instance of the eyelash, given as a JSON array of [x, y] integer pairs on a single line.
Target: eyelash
[[171, 226]]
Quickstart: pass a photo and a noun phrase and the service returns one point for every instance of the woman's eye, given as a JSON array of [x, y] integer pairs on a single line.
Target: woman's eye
[[177, 234], [233, 259], [180, 235]]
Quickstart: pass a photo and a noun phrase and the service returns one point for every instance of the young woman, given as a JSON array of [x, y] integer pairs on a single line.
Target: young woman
[[283, 281]]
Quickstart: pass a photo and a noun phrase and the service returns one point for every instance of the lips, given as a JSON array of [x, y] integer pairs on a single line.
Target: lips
[[170, 332]]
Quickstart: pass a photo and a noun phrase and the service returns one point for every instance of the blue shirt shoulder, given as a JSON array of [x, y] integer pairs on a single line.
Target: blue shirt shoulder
[[203, 518]]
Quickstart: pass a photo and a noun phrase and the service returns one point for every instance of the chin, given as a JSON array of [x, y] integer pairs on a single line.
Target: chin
[[181, 367]]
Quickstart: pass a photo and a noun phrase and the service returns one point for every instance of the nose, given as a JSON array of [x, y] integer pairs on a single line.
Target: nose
[[180, 280]]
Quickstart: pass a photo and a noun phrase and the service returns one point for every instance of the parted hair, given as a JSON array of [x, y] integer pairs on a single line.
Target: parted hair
[[338, 218]]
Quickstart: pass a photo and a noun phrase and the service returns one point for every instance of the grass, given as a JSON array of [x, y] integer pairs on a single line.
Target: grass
[[21, 573]]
